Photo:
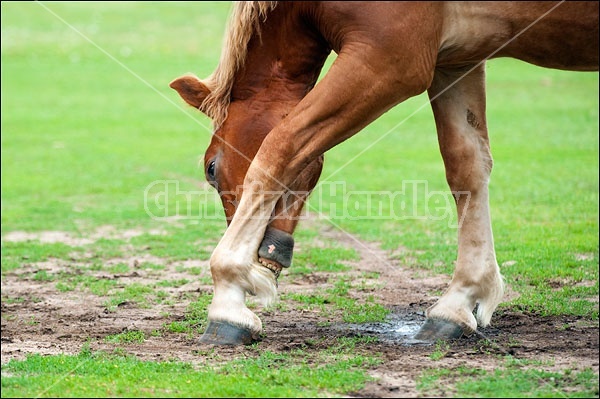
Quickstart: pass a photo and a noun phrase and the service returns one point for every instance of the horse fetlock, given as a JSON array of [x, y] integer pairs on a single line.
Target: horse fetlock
[[490, 298], [247, 274], [262, 283]]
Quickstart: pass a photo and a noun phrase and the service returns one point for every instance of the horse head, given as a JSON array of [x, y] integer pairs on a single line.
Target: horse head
[[234, 144]]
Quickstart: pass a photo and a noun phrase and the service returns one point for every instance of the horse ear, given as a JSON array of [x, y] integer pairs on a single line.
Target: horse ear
[[191, 89]]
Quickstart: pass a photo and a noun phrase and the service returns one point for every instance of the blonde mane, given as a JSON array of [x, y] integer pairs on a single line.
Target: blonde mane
[[243, 23]]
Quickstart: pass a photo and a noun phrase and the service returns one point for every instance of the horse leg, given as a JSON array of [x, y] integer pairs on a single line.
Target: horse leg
[[230, 321], [236, 271], [458, 103], [355, 91]]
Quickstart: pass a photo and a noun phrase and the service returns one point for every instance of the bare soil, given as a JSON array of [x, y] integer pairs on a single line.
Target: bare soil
[[47, 321]]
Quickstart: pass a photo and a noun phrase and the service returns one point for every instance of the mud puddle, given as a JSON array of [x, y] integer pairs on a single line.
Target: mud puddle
[[397, 329]]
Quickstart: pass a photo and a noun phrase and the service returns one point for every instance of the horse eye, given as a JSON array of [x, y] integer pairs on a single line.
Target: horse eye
[[210, 171]]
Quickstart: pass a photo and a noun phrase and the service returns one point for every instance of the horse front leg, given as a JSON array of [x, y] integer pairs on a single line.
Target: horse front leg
[[236, 270], [239, 265], [458, 103], [352, 94]]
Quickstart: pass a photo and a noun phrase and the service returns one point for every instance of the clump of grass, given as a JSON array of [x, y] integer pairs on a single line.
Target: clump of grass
[[127, 337], [195, 317], [172, 283], [136, 293], [440, 351]]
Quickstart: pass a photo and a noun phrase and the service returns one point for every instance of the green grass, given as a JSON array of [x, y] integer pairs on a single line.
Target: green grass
[[87, 156], [16, 253], [127, 337], [510, 381], [441, 349], [84, 137], [100, 375], [328, 259]]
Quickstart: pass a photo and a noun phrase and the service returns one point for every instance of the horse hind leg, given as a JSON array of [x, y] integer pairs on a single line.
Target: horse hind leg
[[458, 103]]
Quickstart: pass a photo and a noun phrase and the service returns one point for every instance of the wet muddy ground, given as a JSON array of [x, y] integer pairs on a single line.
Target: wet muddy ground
[[47, 321]]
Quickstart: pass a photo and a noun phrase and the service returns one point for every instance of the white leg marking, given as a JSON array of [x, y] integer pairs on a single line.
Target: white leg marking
[[235, 267]]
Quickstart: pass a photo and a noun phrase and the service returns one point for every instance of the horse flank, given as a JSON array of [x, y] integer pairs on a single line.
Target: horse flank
[[243, 24]]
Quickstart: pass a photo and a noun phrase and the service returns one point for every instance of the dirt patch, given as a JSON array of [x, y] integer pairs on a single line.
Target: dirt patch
[[39, 318], [49, 237]]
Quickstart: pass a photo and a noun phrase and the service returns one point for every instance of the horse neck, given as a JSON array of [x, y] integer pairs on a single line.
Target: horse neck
[[284, 58]]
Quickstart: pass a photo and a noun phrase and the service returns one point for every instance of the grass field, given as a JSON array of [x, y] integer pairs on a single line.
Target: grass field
[[89, 123]]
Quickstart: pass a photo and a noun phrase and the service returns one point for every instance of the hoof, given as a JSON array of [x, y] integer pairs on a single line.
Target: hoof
[[435, 329], [223, 333]]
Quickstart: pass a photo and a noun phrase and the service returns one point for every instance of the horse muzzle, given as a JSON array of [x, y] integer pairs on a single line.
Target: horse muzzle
[[276, 250]]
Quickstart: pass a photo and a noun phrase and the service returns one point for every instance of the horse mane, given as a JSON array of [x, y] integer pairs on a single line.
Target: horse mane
[[242, 25]]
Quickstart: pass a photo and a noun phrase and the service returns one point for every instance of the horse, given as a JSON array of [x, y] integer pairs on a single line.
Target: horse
[[273, 123]]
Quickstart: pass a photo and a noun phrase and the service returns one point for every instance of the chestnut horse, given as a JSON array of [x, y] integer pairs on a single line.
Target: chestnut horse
[[273, 124]]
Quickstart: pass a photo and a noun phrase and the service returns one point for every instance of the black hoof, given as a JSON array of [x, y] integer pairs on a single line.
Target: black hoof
[[223, 333], [435, 329]]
